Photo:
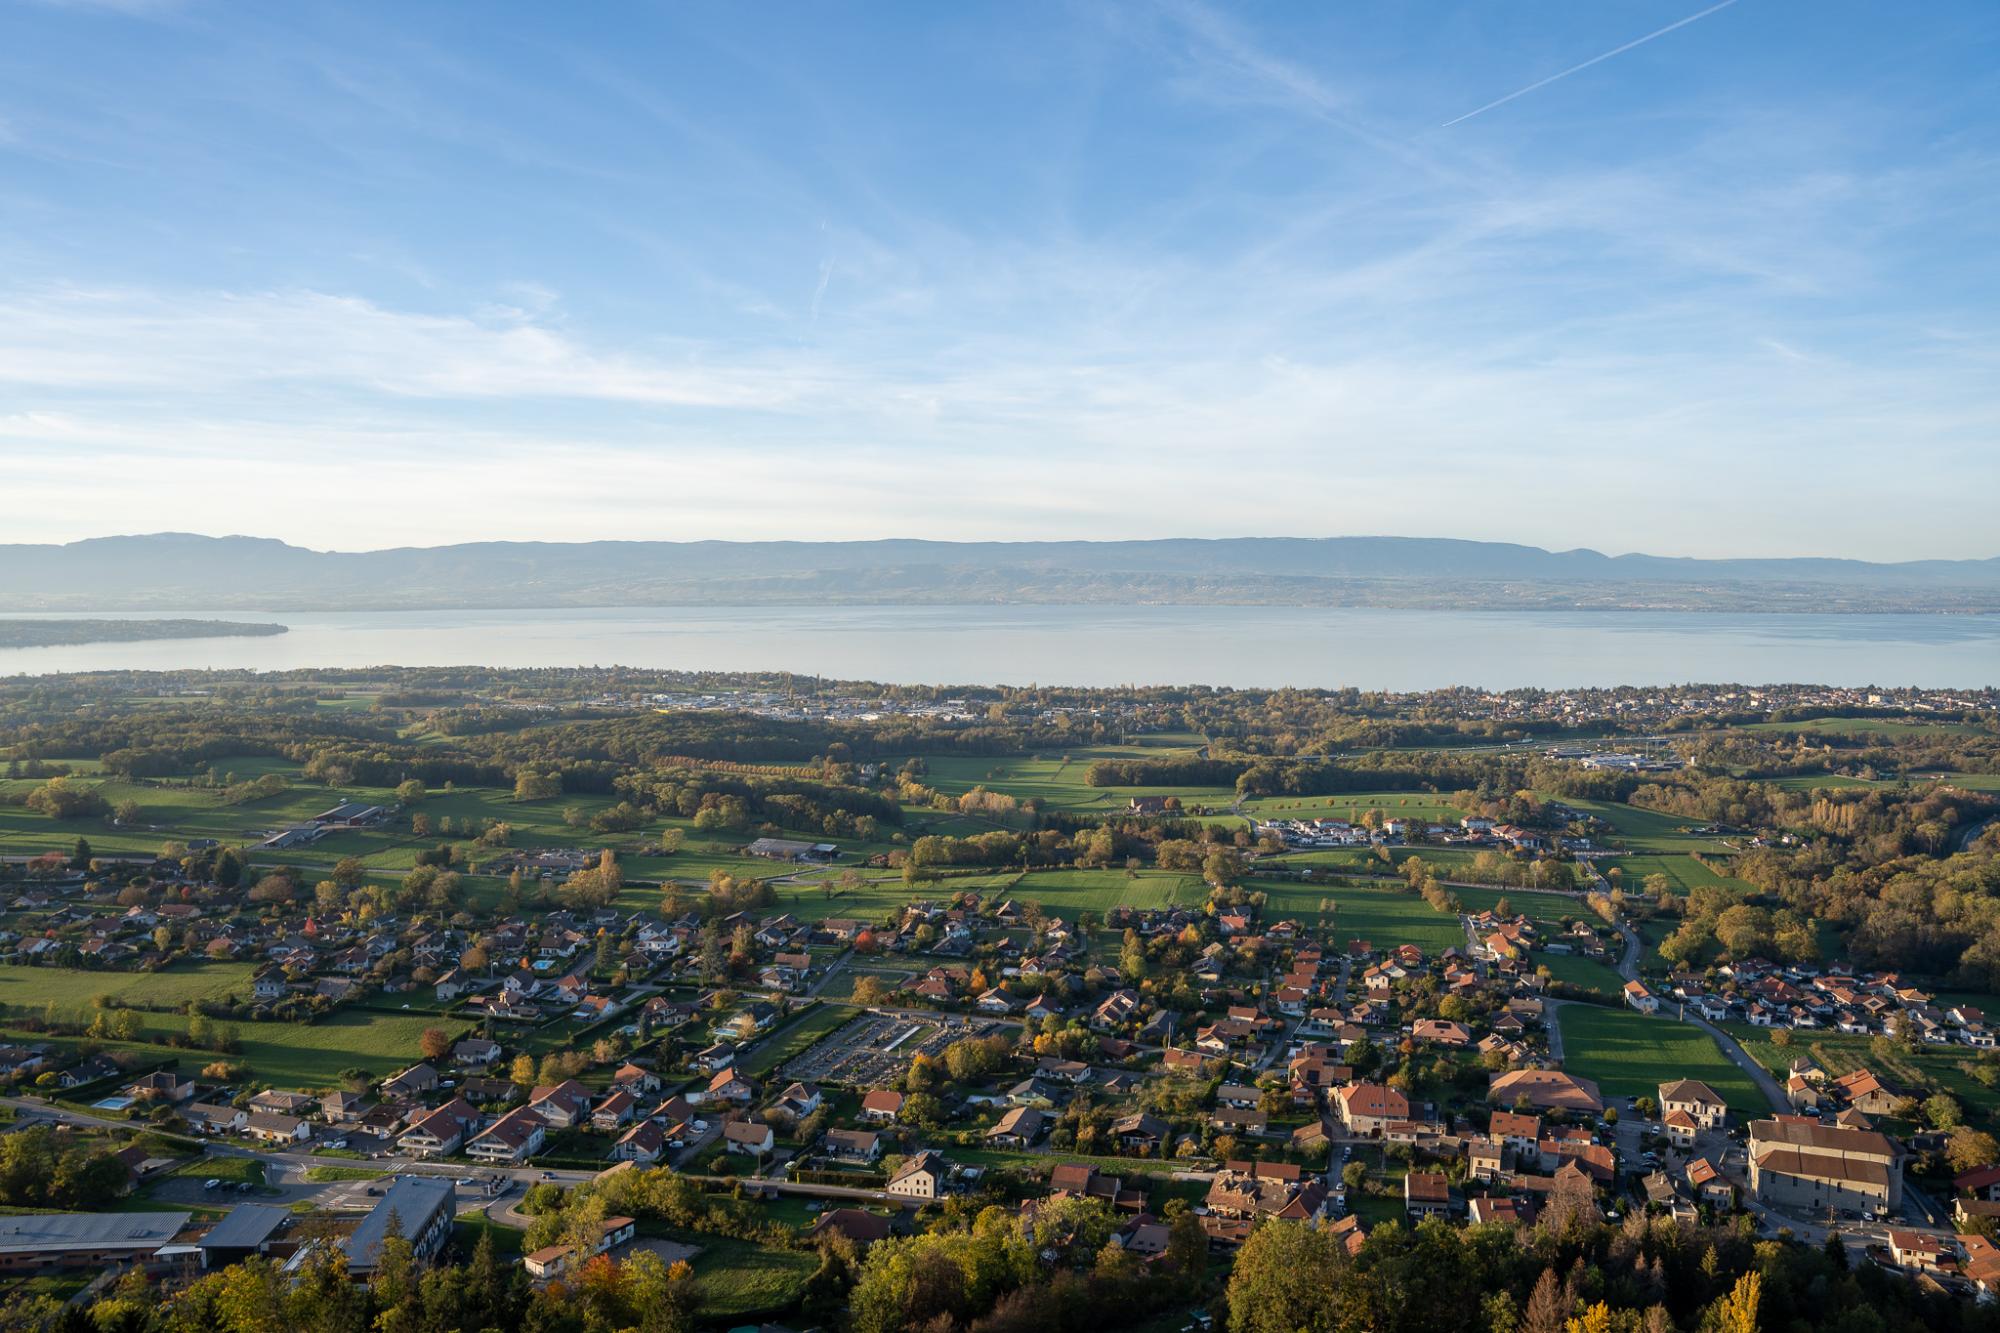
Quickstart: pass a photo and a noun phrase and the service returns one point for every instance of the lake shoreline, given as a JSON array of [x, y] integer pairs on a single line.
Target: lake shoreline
[[46, 631], [1092, 645]]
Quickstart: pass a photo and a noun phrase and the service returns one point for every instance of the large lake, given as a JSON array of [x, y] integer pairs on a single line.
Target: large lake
[[1093, 645]]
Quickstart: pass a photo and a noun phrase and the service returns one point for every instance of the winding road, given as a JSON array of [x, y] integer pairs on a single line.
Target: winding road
[[1628, 968]]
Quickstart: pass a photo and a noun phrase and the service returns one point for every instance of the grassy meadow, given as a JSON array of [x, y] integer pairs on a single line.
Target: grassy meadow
[[1629, 1054]]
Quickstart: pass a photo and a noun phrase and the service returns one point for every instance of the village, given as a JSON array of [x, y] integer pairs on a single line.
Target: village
[[987, 1050], [747, 1018]]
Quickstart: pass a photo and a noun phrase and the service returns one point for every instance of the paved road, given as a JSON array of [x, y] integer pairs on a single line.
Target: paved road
[[1628, 966], [1966, 837], [1774, 1092], [1770, 1087]]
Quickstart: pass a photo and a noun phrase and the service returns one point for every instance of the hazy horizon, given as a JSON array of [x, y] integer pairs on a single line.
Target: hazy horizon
[[865, 539], [1655, 276]]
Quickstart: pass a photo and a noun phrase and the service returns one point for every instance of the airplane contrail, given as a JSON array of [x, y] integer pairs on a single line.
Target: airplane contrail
[[1594, 60]]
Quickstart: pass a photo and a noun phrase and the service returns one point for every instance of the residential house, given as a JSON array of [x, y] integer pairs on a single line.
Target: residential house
[[1492, 1208], [725, 1086], [1709, 1185], [1545, 1090], [163, 1086], [1867, 1093], [412, 1082], [1441, 1032], [512, 1139], [748, 1136], [1141, 1132], [1519, 1132], [1368, 1109], [339, 1108], [555, 1260], [284, 1103], [1701, 1103], [476, 1053], [1918, 1251], [563, 1105], [615, 1111], [922, 1175], [644, 1143], [882, 1106], [798, 1101], [859, 1225], [852, 1145], [1019, 1128], [440, 1132], [213, 1119], [1427, 1194]]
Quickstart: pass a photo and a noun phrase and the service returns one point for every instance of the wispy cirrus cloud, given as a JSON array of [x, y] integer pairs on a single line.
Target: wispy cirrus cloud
[[121, 340], [1185, 268]]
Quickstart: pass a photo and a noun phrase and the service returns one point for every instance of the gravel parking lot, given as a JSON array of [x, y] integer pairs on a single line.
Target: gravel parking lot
[[875, 1048]]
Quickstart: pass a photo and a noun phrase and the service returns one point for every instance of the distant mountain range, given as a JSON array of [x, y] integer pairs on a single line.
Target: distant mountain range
[[177, 571]]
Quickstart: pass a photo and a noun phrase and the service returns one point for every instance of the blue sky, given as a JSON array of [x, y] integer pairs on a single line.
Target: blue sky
[[363, 275]]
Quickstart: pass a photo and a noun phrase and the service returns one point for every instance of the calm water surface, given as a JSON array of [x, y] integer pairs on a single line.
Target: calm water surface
[[1090, 645]]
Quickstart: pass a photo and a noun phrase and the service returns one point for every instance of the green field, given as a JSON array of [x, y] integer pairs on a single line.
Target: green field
[[1068, 892], [1648, 830], [469, 1227], [1652, 932], [228, 1170], [815, 898], [1629, 1054], [291, 1055], [1831, 781], [794, 1037], [177, 814], [1585, 972], [1863, 726], [1058, 778], [170, 814], [1351, 806], [1039, 1163], [1684, 873], [737, 1278], [1379, 915], [894, 973], [1547, 910], [34, 988]]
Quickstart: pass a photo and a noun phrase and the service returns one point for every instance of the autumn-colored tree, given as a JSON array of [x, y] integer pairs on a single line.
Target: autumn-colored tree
[[1286, 1280], [1737, 1312], [1971, 1149], [1548, 1306]]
